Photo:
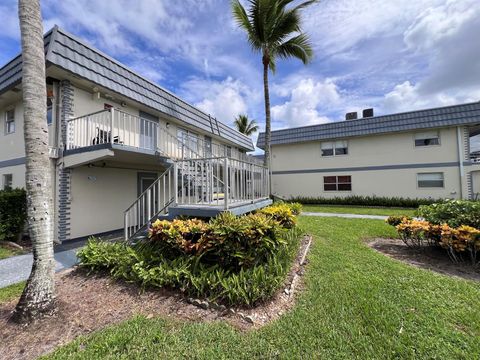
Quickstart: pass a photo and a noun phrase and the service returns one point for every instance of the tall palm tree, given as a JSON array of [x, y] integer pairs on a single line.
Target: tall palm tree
[[245, 125], [274, 31], [38, 296]]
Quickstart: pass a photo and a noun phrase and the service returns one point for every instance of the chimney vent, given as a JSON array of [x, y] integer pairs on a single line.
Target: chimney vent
[[351, 116], [368, 113]]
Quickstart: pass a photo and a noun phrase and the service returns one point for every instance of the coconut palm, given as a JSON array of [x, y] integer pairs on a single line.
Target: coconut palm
[[38, 296], [245, 125], [274, 31]]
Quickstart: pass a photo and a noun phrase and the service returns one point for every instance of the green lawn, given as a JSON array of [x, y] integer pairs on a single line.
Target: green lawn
[[11, 292], [357, 304], [359, 210], [7, 251]]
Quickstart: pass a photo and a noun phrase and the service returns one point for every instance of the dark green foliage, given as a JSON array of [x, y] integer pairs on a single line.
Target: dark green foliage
[[13, 213], [144, 264], [452, 212], [395, 220], [366, 201]]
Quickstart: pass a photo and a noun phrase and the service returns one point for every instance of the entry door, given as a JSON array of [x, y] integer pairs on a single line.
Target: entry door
[[148, 133], [145, 180]]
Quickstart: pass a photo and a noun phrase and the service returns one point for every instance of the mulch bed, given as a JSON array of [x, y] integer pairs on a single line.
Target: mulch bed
[[431, 258], [87, 303]]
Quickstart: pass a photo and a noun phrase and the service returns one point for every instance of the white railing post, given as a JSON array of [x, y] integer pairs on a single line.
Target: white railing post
[[112, 115], [225, 182], [175, 181]]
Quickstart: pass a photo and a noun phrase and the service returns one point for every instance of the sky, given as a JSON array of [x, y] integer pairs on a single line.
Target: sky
[[393, 56]]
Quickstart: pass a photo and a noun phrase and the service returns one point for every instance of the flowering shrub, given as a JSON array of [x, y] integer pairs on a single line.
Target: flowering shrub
[[457, 241]]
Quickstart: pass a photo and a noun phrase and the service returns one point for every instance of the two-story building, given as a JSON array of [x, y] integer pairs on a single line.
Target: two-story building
[[418, 154], [124, 150]]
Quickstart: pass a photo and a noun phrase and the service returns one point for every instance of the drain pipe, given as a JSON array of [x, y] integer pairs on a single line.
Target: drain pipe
[[460, 160]]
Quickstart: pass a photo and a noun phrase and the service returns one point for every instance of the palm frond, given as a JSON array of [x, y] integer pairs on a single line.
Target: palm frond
[[298, 46]]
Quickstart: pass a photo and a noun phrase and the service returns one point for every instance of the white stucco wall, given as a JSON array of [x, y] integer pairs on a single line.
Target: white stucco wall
[[98, 198]]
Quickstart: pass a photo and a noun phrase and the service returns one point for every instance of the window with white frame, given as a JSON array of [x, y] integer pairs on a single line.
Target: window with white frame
[[334, 148], [7, 181], [337, 183], [427, 138], [10, 121], [430, 180]]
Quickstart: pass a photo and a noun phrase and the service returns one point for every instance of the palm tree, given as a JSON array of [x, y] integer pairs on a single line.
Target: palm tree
[[274, 31], [245, 125], [38, 295]]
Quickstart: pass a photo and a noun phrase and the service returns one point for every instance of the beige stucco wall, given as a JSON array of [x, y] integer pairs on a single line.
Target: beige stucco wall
[[98, 198], [379, 150], [12, 146], [476, 184], [18, 175]]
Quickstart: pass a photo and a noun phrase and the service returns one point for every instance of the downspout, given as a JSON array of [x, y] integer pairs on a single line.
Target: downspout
[[460, 160]]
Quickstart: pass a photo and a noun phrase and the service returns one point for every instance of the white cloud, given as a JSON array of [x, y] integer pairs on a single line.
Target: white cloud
[[304, 102], [446, 37], [224, 100]]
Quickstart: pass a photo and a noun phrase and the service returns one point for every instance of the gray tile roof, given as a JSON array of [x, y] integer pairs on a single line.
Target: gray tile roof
[[74, 55], [414, 120]]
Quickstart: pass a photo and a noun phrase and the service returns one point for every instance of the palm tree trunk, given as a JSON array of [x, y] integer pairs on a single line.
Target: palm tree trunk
[[38, 296], [268, 134]]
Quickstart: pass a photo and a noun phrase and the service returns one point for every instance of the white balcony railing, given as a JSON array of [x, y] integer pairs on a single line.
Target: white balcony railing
[[117, 127], [222, 183]]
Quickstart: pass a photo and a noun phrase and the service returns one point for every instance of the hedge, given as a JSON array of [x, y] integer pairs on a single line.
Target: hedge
[[13, 213], [356, 200]]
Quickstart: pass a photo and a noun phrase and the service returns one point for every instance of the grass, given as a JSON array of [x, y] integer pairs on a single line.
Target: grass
[[8, 251], [11, 292], [357, 304], [359, 210]]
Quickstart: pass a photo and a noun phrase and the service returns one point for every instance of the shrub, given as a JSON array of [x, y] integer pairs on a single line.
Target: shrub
[[397, 220], [452, 212], [238, 260], [13, 213], [283, 213], [143, 263], [456, 241], [366, 201]]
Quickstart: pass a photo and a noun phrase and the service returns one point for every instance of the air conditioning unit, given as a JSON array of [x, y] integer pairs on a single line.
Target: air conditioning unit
[[53, 153], [368, 113], [351, 116]]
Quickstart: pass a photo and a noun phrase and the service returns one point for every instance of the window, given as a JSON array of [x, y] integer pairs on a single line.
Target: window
[[7, 181], [334, 148], [187, 138], [10, 121], [337, 183], [49, 111], [428, 138], [430, 180]]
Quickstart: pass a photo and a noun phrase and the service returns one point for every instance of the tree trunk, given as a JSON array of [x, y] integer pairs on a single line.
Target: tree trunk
[[38, 296], [268, 135]]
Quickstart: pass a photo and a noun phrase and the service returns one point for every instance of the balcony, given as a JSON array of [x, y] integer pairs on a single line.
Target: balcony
[[116, 129]]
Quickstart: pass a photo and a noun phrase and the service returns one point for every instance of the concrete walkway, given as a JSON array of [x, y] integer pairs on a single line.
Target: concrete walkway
[[17, 268], [347, 216]]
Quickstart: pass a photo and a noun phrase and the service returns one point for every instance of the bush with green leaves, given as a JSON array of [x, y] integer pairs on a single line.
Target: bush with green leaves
[[356, 200], [145, 264], [234, 259], [13, 213], [452, 212], [395, 220]]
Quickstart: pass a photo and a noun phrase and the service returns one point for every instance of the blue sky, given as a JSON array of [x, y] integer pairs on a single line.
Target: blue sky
[[395, 55]]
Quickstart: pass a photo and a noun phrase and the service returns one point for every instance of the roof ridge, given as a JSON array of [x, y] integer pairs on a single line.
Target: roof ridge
[[118, 63]]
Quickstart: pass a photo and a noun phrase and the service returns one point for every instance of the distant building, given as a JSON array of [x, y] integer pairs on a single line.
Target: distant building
[[418, 154]]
